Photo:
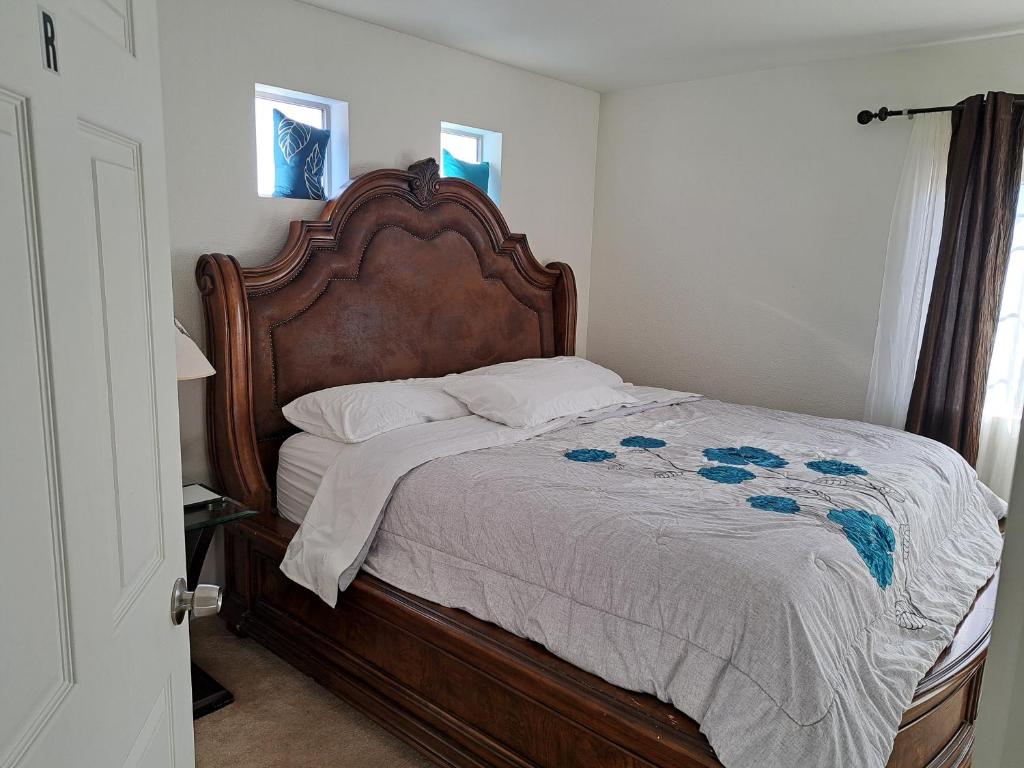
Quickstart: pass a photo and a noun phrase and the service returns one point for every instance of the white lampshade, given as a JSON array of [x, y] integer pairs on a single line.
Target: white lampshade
[[192, 364]]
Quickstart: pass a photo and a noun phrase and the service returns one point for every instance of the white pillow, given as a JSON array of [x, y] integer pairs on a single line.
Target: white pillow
[[541, 366], [356, 412], [527, 398]]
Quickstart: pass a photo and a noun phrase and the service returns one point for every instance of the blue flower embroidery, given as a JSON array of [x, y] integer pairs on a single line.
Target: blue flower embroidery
[[783, 504], [873, 539], [589, 454], [639, 441], [745, 455], [724, 455], [728, 475], [762, 458], [838, 468]]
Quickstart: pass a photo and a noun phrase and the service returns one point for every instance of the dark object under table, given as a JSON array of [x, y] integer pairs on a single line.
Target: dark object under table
[[201, 522]]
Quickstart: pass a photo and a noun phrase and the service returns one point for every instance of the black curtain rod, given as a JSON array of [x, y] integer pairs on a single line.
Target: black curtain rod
[[865, 116]]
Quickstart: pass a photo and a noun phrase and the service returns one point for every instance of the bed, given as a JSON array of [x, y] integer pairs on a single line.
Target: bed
[[406, 275]]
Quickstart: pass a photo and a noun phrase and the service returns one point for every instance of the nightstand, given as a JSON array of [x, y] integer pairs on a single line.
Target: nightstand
[[202, 518]]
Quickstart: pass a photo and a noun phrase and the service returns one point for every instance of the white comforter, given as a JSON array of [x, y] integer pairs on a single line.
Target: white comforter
[[339, 526], [782, 579]]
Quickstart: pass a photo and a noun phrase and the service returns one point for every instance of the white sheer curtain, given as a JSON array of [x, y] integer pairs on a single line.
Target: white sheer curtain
[[1004, 397], [914, 235]]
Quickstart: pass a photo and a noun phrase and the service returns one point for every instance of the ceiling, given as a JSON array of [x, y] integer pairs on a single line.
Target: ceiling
[[613, 44]]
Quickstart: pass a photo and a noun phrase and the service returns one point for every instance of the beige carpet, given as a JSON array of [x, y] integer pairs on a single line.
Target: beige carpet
[[281, 718]]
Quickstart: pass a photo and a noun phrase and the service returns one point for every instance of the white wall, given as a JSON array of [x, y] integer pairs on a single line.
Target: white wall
[[741, 222], [399, 89]]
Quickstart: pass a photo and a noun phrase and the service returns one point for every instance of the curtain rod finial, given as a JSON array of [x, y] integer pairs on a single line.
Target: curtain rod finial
[[865, 116]]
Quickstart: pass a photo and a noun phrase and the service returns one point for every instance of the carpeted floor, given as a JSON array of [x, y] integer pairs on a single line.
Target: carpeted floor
[[281, 718]]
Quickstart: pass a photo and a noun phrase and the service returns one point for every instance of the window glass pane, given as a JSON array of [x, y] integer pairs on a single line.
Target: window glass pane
[[461, 147], [1005, 394], [315, 116]]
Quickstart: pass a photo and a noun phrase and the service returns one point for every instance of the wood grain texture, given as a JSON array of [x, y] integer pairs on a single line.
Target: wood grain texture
[[403, 275], [409, 275]]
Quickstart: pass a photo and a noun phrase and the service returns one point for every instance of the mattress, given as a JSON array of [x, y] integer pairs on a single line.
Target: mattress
[[302, 463]]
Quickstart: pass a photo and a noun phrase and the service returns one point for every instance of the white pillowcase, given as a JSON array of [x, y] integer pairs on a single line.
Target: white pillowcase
[[542, 366], [528, 397], [356, 412]]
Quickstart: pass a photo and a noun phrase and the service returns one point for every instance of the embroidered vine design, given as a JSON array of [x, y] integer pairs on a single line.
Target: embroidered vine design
[[812, 496]]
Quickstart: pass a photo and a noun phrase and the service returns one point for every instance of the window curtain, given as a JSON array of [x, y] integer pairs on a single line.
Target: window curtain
[[910, 258], [981, 198], [1004, 398]]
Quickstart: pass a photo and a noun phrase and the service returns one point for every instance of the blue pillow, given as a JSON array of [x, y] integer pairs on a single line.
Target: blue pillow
[[299, 154], [475, 173]]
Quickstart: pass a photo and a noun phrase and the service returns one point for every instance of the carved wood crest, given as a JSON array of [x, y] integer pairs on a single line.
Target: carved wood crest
[[425, 175]]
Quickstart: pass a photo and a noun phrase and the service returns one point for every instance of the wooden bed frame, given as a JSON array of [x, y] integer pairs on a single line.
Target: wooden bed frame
[[407, 275]]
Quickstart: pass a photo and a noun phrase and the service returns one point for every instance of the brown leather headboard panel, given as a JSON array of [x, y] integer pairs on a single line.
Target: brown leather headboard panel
[[403, 275]]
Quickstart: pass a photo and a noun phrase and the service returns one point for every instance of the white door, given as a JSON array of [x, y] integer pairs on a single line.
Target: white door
[[92, 671]]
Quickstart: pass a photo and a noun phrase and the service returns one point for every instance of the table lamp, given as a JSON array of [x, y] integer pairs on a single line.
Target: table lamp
[[192, 364]]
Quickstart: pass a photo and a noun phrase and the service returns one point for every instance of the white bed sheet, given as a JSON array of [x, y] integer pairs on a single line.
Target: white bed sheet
[[302, 463]]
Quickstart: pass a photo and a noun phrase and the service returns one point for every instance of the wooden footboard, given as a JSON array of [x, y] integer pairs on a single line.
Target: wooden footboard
[[466, 693]]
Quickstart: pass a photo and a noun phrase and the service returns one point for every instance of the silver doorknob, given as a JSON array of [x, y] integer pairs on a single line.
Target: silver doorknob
[[203, 601]]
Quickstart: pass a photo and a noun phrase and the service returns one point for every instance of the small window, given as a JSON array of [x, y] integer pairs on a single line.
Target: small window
[[464, 146], [305, 108], [471, 148]]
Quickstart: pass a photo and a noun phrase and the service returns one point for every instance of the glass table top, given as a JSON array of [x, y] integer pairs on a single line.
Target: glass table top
[[215, 512]]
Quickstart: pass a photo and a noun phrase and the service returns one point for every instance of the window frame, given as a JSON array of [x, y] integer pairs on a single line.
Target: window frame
[[334, 117], [477, 138], [323, 108], [488, 149]]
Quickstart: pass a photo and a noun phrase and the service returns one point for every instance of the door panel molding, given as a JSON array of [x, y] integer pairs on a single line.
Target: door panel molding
[[119, 208], [15, 127], [156, 732], [113, 18]]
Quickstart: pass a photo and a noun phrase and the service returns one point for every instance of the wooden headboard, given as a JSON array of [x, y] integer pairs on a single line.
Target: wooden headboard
[[403, 275]]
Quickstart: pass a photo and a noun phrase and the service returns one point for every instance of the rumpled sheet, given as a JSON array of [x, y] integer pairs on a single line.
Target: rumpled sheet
[[784, 580]]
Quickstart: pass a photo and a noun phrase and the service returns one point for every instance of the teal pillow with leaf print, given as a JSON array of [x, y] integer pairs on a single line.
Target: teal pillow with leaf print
[[300, 154], [475, 173]]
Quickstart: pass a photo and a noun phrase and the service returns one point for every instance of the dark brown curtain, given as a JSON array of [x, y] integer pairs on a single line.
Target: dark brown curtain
[[982, 180]]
